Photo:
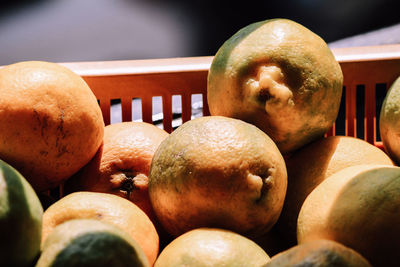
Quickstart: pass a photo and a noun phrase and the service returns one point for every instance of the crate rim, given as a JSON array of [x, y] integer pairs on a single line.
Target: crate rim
[[202, 63]]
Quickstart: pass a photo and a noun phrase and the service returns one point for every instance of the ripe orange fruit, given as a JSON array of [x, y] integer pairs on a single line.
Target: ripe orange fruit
[[122, 165], [319, 253], [212, 247], [313, 163], [90, 242], [50, 122], [358, 207], [108, 208], [217, 172], [279, 76]]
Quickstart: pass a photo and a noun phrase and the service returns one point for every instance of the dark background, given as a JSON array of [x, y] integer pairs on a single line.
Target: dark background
[[86, 30]]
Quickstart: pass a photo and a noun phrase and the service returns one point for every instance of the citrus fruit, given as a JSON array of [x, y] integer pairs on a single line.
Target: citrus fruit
[[212, 247], [122, 165], [279, 76], [90, 242], [313, 163], [105, 207], [50, 122], [319, 253], [358, 207], [389, 121], [217, 172], [20, 219]]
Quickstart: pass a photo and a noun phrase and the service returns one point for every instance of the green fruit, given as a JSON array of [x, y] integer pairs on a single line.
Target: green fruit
[[279, 76], [20, 219], [211, 247], [220, 172], [389, 122], [90, 242], [358, 207]]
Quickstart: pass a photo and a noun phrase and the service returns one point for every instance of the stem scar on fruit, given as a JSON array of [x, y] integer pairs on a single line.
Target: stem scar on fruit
[[127, 181]]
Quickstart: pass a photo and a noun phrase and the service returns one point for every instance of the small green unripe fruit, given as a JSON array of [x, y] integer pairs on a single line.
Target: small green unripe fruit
[[20, 219]]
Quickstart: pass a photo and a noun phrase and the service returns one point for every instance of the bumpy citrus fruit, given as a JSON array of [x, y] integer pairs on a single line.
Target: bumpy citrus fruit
[[319, 253], [212, 247], [280, 76], [217, 172], [108, 208], [20, 219], [90, 242], [358, 207], [122, 165], [313, 163], [50, 122], [389, 121]]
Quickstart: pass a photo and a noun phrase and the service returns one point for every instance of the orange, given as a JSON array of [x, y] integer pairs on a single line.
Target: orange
[[122, 165], [107, 208], [50, 122], [312, 164], [212, 247], [319, 253], [279, 76], [389, 121], [90, 242], [358, 207], [217, 172]]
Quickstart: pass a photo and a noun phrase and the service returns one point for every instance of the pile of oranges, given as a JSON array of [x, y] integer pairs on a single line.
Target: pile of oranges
[[255, 184]]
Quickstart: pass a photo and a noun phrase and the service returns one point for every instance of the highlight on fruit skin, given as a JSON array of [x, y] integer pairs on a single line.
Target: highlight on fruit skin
[[20, 219], [389, 121], [279, 76], [212, 247], [221, 172], [90, 242], [50, 125], [359, 208], [319, 253]]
